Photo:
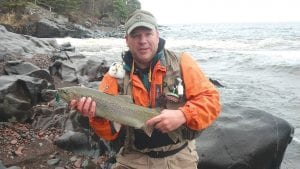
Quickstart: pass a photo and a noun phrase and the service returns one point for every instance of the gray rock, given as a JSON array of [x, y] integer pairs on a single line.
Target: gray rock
[[19, 67], [244, 138], [42, 74], [53, 162], [18, 94], [45, 28], [63, 72], [76, 142], [49, 116], [24, 45]]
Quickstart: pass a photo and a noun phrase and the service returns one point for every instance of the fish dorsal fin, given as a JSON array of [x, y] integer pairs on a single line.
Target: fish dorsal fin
[[126, 98]]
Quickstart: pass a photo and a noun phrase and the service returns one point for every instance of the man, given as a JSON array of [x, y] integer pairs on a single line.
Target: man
[[157, 77]]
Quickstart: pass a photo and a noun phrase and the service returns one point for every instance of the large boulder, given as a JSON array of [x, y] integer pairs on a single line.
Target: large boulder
[[47, 28], [23, 45], [244, 138], [18, 93]]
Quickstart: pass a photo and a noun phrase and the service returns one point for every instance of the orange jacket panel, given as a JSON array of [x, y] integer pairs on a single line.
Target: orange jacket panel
[[102, 126], [203, 100]]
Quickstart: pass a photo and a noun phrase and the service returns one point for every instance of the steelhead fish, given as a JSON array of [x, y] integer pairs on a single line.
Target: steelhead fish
[[118, 109]]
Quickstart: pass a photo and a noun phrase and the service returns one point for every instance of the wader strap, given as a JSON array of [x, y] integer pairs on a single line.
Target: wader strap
[[162, 154]]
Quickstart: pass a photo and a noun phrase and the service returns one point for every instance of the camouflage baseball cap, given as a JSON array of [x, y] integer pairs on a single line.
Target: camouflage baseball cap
[[140, 18]]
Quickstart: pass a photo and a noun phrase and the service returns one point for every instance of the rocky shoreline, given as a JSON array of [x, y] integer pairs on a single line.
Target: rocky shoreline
[[38, 132], [42, 23], [31, 122]]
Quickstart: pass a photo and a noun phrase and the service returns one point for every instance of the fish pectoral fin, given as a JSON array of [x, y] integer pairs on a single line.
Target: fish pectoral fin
[[117, 126], [148, 130], [175, 135]]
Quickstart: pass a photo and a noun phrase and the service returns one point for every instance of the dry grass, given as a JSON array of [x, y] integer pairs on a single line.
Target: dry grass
[[12, 19]]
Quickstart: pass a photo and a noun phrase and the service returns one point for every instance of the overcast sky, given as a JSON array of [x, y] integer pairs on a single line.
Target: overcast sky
[[199, 11]]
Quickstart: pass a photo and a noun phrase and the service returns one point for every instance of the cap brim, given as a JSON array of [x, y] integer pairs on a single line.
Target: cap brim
[[140, 24]]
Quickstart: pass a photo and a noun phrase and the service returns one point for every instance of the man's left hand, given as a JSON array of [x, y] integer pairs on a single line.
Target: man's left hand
[[167, 121]]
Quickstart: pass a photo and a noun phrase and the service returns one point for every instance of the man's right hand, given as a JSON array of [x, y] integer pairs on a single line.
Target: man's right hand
[[86, 106]]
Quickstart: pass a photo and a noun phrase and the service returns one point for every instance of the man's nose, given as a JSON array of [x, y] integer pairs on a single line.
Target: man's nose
[[143, 39]]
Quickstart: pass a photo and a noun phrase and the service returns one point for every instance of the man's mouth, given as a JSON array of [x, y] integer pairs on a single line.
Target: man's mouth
[[143, 49]]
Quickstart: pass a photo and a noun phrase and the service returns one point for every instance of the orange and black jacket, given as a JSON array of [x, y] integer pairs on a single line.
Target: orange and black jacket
[[202, 105]]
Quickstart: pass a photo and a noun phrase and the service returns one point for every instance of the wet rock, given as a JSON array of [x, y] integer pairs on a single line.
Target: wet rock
[[19, 67], [93, 71], [245, 138], [42, 74], [48, 28], [45, 28], [67, 47], [18, 94], [72, 141], [49, 116], [216, 82], [21, 45], [63, 72]]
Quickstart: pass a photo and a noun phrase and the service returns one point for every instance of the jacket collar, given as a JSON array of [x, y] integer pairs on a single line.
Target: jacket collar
[[127, 57]]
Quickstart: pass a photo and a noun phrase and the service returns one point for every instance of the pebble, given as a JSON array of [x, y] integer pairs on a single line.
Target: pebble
[[78, 163], [73, 158], [19, 150], [13, 142], [53, 161], [14, 167]]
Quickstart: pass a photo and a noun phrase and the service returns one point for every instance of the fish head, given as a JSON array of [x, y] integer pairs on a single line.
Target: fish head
[[64, 94]]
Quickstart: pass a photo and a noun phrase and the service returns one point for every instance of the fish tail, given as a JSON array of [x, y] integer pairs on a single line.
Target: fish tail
[[148, 130], [175, 135]]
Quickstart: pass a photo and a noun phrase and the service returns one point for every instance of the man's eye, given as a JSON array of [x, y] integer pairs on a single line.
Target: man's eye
[[149, 34], [135, 35]]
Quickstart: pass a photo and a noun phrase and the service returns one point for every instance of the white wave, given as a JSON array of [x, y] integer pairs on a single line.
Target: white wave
[[296, 140], [100, 48], [207, 44], [94, 44], [173, 43], [273, 42], [233, 44], [287, 57]]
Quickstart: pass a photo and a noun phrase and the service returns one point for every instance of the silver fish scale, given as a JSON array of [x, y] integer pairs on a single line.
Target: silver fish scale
[[114, 108]]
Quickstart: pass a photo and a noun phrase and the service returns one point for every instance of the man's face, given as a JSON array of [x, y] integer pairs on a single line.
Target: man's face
[[143, 44]]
